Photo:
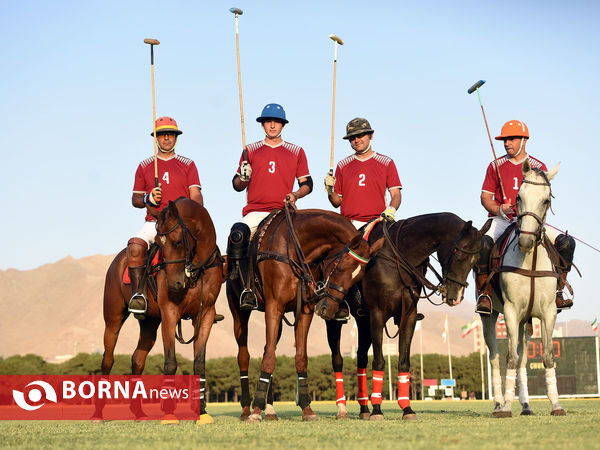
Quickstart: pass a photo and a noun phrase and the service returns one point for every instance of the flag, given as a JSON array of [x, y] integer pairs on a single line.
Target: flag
[[594, 325], [466, 329], [445, 332]]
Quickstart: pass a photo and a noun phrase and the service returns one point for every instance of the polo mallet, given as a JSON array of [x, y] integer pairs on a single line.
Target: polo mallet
[[238, 12], [152, 43], [472, 89], [336, 41]]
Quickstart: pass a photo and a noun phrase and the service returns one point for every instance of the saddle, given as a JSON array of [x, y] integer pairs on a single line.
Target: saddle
[[154, 261]]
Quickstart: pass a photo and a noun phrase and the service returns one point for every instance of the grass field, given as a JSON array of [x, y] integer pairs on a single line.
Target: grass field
[[440, 424]]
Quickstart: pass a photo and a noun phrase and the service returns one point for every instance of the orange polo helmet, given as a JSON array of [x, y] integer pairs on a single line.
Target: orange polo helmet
[[166, 125], [513, 128]]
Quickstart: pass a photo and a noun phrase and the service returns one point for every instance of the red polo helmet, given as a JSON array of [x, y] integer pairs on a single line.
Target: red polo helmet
[[166, 125]]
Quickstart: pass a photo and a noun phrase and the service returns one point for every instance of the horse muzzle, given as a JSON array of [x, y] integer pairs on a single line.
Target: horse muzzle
[[454, 299], [326, 308], [178, 284]]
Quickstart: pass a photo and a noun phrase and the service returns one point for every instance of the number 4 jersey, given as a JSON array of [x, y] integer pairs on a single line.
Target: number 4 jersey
[[274, 170], [175, 175], [511, 175], [362, 185]]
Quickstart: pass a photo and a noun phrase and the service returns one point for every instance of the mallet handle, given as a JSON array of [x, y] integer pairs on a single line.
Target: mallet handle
[[237, 46], [336, 41], [152, 43], [493, 152]]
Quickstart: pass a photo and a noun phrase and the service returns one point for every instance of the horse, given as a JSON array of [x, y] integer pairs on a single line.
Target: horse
[[391, 288], [187, 288], [527, 283], [305, 261]]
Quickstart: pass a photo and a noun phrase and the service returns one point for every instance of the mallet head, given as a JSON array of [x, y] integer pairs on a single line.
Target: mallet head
[[236, 11], [475, 86], [336, 39], [151, 41]]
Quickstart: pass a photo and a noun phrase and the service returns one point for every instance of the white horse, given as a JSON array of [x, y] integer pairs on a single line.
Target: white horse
[[528, 284]]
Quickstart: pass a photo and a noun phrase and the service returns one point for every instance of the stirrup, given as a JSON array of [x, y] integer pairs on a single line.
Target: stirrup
[[248, 300], [138, 305], [479, 309], [566, 303], [342, 315]]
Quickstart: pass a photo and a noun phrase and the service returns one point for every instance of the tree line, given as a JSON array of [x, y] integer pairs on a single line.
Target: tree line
[[222, 374]]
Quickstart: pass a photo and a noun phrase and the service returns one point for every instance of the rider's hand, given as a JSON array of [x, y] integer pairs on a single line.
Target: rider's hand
[[291, 198], [245, 171], [389, 214], [329, 183], [154, 197], [505, 210]]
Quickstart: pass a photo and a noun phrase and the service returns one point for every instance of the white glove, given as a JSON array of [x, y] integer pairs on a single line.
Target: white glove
[[154, 197], [245, 171], [329, 183], [389, 214]]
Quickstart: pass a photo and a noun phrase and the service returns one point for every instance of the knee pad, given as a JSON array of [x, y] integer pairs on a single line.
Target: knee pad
[[237, 243], [484, 254], [565, 245]]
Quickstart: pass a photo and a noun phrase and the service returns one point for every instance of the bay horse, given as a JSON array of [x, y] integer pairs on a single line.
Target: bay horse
[[305, 261], [391, 288], [528, 283], [187, 284]]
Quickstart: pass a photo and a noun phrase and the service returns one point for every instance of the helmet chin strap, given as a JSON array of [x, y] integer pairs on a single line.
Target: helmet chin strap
[[166, 151], [364, 151], [520, 147]]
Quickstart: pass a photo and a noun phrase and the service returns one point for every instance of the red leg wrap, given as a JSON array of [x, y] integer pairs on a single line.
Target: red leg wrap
[[376, 387], [339, 388], [403, 389], [363, 393]]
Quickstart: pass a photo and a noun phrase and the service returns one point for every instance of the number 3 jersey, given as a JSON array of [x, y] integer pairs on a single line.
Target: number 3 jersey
[[175, 175], [362, 185], [274, 170], [511, 175]]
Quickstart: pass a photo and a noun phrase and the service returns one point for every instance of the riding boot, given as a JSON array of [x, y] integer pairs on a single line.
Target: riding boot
[[136, 261], [248, 301], [561, 302], [484, 299], [343, 313], [565, 245]]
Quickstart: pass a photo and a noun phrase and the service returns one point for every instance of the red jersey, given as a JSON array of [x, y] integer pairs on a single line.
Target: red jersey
[[512, 176], [274, 170], [176, 176], [362, 185]]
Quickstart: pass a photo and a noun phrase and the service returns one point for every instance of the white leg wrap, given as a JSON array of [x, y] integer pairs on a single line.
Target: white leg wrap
[[509, 393], [342, 408], [551, 386], [269, 409], [497, 384], [523, 390]]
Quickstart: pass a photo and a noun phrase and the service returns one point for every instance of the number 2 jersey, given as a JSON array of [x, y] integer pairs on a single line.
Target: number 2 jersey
[[274, 170], [511, 175], [362, 185], [175, 175]]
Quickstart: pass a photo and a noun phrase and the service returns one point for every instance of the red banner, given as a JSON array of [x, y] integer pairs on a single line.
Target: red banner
[[122, 397]]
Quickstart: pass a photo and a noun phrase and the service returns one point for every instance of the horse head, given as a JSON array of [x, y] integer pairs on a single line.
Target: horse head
[[458, 260], [533, 202], [178, 246], [346, 268]]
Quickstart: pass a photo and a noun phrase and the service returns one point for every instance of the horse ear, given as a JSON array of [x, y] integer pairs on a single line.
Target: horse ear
[[486, 227], [172, 208], [376, 246], [550, 174], [526, 167]]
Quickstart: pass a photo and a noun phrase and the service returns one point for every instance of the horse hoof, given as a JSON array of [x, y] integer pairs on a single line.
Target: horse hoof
[[527, 412], [205, 419], [310, 417], [271, 417], [376, 417], [409, 416], [245, 413], [170, 419], [342, 415], [96, 420], [502, 414], [254, 418], [364, 416], [558, 412]]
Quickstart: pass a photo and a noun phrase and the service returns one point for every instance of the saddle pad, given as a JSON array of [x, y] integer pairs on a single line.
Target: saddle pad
[[155, 261]]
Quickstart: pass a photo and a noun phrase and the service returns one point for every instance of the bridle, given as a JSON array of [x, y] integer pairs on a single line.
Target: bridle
[[540, 220]]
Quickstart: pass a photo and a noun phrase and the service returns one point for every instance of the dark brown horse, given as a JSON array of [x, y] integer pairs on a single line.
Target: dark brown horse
[[391, 288], [317, 252], [187, 286]]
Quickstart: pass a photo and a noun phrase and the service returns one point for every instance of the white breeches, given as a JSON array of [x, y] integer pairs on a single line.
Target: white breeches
[[147, 233], [253, 219], [499, 225]]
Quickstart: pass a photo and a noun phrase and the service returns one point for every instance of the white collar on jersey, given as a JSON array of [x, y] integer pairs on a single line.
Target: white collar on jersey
[[366, 159], [272, 146], [172, 155]]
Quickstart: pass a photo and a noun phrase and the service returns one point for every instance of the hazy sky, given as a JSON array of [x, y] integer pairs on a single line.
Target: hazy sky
[[76, 102]]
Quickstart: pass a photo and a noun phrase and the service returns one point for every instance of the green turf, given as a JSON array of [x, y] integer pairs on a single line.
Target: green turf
[[440, 424]]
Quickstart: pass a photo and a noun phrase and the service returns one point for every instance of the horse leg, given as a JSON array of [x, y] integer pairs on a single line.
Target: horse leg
[[489, 334], [362, 359], [272, 321], [240, 331], [334, 331], [522, 373], [170, 316], [547, 325], [148, 329], [377, 323], [512, 327], [407, 328], [206, 321], [270, 413], [302, 327]]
